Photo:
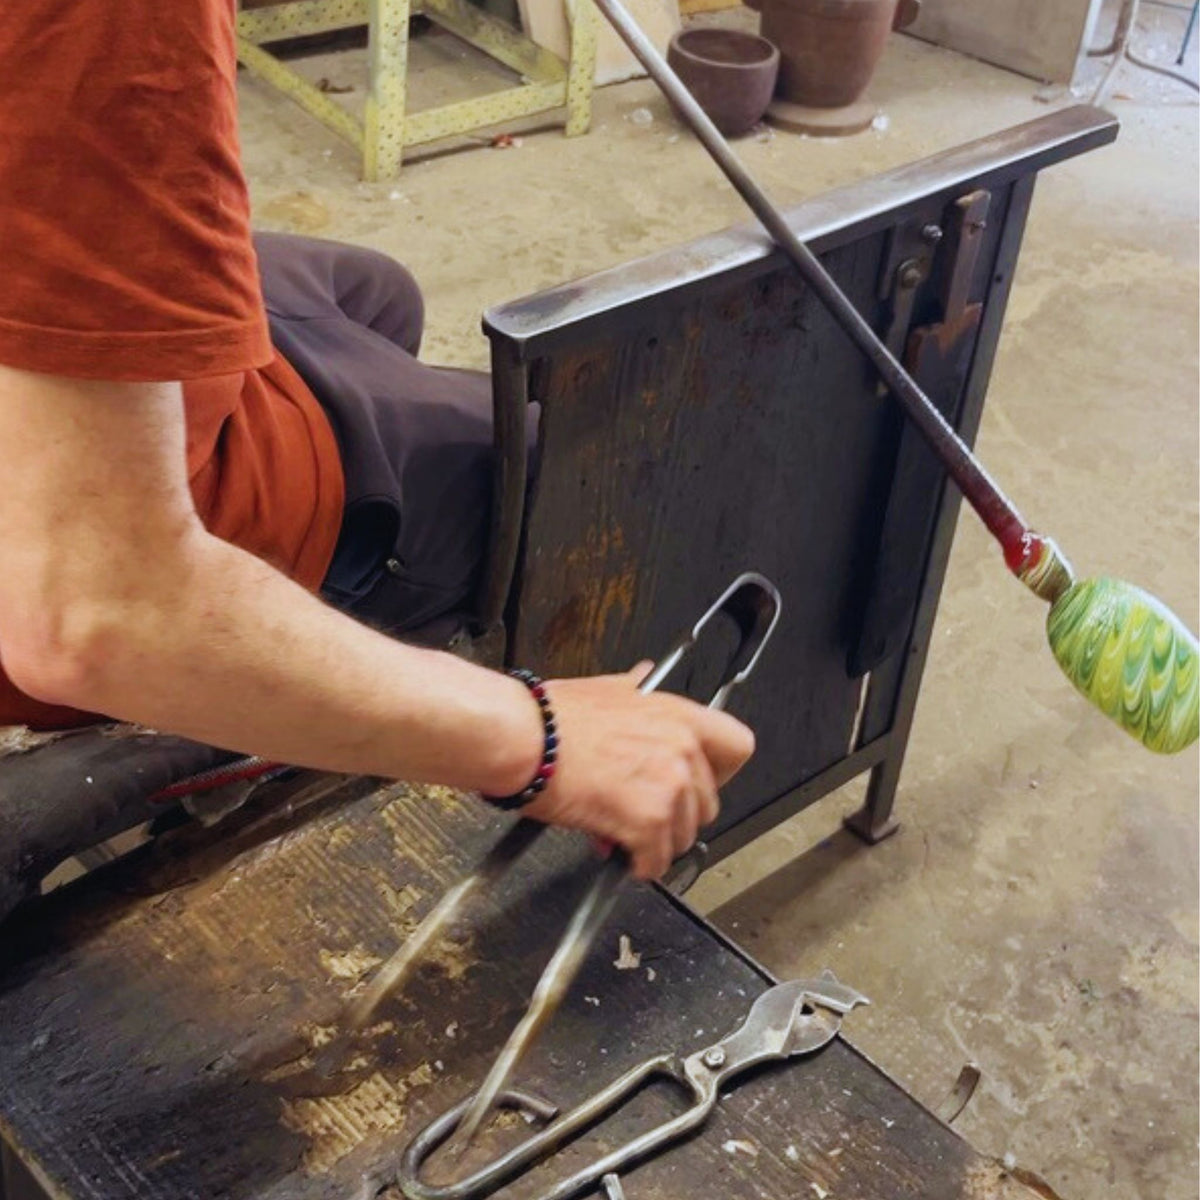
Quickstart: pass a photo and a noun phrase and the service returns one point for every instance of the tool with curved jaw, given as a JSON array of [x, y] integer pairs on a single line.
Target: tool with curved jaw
[[1132, 657], [786, 1021]]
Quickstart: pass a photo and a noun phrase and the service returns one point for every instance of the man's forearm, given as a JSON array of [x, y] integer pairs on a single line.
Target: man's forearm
[[114, 598], [234, 654]]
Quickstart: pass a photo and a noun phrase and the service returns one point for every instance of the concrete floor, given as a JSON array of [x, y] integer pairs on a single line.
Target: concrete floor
[[1037, 914]]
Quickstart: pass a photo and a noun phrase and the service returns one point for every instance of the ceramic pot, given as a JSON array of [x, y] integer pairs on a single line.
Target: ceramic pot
[[829, 49], [731, 74]]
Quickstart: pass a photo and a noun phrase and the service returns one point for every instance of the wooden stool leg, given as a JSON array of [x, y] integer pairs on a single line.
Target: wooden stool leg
[[387, 66], [581, 71]]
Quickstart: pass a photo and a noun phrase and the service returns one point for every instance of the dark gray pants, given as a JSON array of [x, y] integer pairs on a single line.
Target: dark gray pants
[[415, 440]]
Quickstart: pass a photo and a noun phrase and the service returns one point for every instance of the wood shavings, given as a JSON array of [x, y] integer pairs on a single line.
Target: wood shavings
[[318, 1035], [400, 902], [454, 959], [124, 729], [348, 964], [627, 958], [340, 838], [17, 739], [336, 1125], [740, 1146], [506, 1118]]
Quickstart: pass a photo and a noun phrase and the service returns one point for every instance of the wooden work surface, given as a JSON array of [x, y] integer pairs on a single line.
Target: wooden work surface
[[135, 1005]]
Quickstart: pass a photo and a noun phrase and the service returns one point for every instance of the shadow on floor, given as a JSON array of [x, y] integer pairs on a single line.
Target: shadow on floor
[[804, 875]]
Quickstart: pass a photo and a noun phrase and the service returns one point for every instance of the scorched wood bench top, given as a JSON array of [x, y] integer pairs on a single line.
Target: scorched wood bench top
[[139, 1006]]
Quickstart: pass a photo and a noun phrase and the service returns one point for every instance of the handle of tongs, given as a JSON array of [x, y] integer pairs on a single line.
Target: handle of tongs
[[753, 603]]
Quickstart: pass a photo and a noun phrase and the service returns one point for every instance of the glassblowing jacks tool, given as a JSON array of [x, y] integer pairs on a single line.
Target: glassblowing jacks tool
[[753, 604]]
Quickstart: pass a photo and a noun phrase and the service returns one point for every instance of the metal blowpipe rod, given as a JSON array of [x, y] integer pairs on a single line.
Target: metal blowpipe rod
[[996, 510], [1125, 651]]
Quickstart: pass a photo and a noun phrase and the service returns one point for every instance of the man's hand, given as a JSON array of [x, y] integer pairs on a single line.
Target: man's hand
[[639, 770]]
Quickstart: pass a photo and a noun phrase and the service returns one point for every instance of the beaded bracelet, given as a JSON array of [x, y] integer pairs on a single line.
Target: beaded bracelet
[[545, 771]]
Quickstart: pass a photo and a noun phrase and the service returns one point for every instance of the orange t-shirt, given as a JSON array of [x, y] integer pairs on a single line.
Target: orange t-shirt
[[125, 254]]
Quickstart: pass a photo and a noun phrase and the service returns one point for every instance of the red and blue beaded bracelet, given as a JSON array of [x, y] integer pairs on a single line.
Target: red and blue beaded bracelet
[[545, 771]]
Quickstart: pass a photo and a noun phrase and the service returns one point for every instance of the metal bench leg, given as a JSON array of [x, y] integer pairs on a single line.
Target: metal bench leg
[[874, 821], [387, 64], [585, 23]]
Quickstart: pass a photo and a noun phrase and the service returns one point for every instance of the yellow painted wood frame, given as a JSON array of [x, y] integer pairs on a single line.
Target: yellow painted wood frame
[[387, 128]]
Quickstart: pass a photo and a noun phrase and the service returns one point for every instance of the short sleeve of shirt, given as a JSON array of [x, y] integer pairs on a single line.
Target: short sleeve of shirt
[[125, 245]]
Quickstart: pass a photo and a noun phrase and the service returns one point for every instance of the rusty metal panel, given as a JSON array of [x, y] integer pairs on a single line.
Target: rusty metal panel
[[153, 1014], [703, 415], [735, 431]]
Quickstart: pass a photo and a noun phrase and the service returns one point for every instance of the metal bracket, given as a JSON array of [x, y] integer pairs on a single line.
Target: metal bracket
[[906, 265], [967, 220], [938, 355], [959, 1096]]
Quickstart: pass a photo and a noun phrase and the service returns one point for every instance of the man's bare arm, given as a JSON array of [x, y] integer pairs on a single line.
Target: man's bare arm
[[114, 598]]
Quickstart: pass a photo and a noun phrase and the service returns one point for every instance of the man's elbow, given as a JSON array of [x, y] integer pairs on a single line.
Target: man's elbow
[[70, 653]]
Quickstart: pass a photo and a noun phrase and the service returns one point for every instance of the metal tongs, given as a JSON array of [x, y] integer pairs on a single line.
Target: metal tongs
[[753, 604], [787, 1020]]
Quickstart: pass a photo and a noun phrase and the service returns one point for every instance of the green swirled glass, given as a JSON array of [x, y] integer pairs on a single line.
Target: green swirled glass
[[1132, 658]]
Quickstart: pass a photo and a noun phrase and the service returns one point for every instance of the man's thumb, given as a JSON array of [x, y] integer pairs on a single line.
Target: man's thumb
[[638, 673]]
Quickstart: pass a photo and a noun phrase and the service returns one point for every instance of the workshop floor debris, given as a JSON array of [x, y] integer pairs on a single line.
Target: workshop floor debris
[[1037, 913]]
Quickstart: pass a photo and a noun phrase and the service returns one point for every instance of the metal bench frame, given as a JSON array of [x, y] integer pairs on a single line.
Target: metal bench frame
[[536, 340]]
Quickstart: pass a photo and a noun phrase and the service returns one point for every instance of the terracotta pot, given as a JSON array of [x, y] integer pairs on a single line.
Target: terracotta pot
[[829, 49], [731, 74]]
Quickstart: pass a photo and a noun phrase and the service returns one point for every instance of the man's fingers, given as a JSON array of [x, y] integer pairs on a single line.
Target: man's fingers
[[687, 821], [664, 856], [708, 800], [726, 742], [653, 857], [641, 770]]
